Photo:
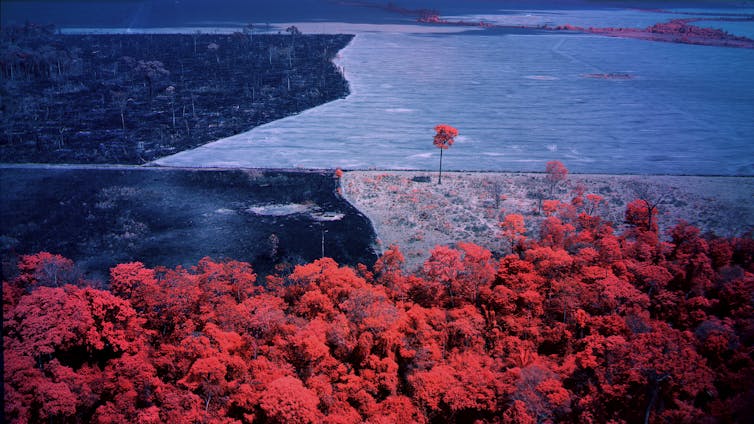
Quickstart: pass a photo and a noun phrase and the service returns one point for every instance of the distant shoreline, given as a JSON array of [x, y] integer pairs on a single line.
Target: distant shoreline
[[679, 31]]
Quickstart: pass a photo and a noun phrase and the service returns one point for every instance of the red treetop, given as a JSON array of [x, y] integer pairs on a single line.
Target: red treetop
[[445, 136], [556, 171]]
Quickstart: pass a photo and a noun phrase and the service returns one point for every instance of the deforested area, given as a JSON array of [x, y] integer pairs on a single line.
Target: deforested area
[[132, 98]]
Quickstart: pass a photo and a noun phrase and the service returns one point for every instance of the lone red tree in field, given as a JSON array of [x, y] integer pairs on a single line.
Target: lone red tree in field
[[444, 138], [556, 173]]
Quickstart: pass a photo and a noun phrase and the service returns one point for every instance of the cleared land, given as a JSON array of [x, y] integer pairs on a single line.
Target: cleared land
[[411, 210], [132, 98], [100, 216]]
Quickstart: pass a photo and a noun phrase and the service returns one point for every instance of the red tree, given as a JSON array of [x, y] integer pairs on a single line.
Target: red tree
[[556, 173], [46, 269], [286, 400], [444, 138], [513, 229], [641, 216]]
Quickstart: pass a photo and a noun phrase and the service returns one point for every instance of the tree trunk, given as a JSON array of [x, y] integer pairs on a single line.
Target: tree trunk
[[439, 180], [322, 229], [652, 401]]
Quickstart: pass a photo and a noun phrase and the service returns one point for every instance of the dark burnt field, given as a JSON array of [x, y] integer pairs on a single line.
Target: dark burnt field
[[102, 216], [131, 98]]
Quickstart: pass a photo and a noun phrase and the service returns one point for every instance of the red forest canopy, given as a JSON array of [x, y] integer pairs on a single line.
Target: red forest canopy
[[577, 325]]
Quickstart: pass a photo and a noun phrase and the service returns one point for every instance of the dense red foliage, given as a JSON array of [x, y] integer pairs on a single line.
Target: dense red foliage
[[444, 136], [576, 325]]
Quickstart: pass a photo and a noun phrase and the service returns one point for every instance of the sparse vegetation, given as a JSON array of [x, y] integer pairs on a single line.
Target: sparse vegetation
[[407, 211]]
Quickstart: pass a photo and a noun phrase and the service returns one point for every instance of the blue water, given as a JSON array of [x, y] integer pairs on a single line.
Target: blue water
[[518, 100]]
